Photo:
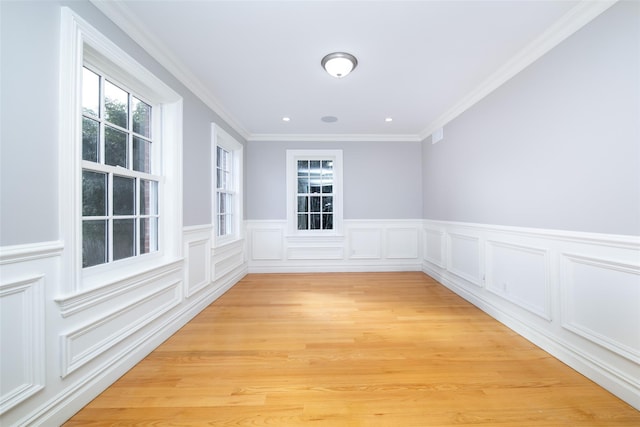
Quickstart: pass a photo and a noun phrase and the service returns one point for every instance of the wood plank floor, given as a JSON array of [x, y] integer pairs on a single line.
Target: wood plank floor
[[353, 349]]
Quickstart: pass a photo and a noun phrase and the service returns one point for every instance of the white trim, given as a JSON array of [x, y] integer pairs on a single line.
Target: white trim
[[30, 252], [220, 138], [579, 16], [330, 137], [31, 325], [78, 302], [71, 360], [316, 154], [120, 14], [610, 362]]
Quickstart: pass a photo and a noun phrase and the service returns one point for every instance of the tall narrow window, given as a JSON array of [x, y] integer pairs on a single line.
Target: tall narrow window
[[227, 184], [225, 192], [119, 190], [314, 192]]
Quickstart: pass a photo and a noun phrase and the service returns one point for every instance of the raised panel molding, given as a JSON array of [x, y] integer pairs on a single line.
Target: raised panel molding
[[227, 258], [365, 243], [574, 294], [266, 243], [519, 274], [401, 243], [464, 257], [84, 344], [21, 339], [601, 302], [197, 265], [434, 246]]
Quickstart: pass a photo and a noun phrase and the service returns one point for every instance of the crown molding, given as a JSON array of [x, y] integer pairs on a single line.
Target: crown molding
[[120, 14], [576, 18], [333, 137]]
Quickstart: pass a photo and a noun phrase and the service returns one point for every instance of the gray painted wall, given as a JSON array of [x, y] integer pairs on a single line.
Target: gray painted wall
[[557, 147], [29, 117], [382, 180]]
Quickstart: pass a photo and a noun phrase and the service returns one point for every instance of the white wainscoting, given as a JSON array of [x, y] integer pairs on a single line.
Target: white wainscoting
[[366, 245], [576, 295], [61, 350]]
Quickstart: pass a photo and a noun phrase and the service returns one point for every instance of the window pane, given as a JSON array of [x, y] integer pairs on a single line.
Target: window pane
[[124, 232], [315, 222], [219, 154], [303, 204], [303, 185], [90, 92], [327, 166], [148, 197], [327, 204], [141, 117], [303, 167], [94, 193], [116, 105], [94, 243], [115, 149], [303, 222], [315, 175], [148, 235], [90, 140], [141, 155], [124, 190], [327, 221], [315, 204], [222, 206]]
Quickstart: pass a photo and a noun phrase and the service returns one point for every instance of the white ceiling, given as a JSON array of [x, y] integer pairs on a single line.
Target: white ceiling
[[420, 62]]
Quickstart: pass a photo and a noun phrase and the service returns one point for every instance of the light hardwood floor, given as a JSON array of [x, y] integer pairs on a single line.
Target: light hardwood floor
[[352, 349]]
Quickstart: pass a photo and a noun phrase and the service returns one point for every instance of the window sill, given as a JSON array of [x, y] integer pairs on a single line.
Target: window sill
[[114, 283]]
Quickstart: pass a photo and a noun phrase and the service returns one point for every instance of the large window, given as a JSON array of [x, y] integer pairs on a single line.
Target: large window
[[314, 195], [119, 190], [120, 162], [227, 182]]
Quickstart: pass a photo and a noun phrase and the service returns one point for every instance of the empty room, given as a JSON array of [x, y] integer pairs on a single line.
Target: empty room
[[320, 213]]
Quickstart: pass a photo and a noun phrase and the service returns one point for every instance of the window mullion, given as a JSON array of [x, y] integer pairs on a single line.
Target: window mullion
[[110, 217]]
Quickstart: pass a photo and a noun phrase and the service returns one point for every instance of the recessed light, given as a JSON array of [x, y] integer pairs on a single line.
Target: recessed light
[[329, 119], [388, 119], [286, 119]]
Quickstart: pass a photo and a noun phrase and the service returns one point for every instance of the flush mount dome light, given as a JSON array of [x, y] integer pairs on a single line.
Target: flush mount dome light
[[339, 64]]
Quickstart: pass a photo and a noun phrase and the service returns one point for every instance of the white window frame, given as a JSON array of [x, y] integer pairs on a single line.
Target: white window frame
[[81, 43], [220, 138], [292, 190]]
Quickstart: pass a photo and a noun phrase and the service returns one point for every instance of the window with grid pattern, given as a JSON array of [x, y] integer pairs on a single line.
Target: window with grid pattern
[[314, 192], [224, 192], [314, 208], [120, 213]]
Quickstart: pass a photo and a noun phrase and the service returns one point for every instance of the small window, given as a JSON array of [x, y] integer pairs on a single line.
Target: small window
[[119, 192], [314, 207], [314, 180]]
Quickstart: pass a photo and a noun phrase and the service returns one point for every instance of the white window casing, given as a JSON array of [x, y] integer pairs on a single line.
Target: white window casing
[[232, 189], [334, 156], [81, 44]]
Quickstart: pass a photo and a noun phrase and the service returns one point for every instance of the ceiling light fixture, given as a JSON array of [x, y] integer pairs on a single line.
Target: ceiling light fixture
[[388, 119], [286, 119], [339, 64]]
